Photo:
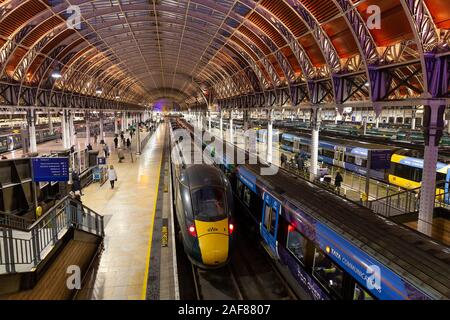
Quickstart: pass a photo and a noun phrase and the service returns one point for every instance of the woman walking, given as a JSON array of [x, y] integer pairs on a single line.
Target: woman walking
[[112, 176]]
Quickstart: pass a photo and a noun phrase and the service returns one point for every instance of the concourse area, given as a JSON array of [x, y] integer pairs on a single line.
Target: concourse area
[[215, 158]]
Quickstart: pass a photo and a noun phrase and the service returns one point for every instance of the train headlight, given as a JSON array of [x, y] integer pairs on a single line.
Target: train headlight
[[192, 231], [231, 228]]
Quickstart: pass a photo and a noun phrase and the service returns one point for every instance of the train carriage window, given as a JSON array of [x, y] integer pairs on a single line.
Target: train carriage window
[[350, 159], [296, 244], [268, 218], [361, 294], [208, 204], [328, 153], [247, 197], [327, 273]]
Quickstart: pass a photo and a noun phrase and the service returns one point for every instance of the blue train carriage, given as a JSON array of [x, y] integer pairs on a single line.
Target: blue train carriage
[[345, 154], [336, 249]]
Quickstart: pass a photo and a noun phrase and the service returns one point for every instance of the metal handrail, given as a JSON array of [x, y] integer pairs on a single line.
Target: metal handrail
[[14, 221], [21, 251], [405, 202]]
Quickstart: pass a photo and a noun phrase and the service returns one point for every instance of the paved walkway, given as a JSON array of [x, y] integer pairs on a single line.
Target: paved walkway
[[129, 211]]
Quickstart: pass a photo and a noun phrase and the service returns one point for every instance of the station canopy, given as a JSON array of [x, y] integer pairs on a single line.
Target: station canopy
[[198, 52]]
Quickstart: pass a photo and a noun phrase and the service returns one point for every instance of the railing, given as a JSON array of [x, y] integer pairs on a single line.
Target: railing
[[13, 221], [405, 202], [396, 204], [21, 251]]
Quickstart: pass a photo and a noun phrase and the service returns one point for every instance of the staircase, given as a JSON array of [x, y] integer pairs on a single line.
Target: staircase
[[34, 258]]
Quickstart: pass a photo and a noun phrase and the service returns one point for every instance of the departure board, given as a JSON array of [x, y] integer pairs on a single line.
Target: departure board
[[50, 169]]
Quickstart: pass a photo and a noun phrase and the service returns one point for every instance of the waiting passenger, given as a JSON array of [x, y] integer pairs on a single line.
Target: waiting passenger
[[283, 160], [89, 147], [338, 181], [300, 162], [116, 142], [128, 143], [112, 176]]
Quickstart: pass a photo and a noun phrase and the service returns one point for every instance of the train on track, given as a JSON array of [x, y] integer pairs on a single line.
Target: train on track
[[204, 206], [404, 170], [334, 248]]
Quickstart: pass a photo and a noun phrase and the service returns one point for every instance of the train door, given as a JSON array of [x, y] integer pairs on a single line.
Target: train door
[[269, 223], [296, 146], [339, 156]]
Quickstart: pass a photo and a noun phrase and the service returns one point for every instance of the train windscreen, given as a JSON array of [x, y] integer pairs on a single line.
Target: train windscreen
[[209, 204]]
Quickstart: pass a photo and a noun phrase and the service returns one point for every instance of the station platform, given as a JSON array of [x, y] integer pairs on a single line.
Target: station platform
[[122, 270]]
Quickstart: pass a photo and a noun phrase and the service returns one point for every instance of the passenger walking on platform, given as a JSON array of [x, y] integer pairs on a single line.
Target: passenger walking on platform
[[76, 183], [95, 138], [116, 142], [128, 143], [89, 147], [112, 176], [122, 137], [106, 150], [338, 181]]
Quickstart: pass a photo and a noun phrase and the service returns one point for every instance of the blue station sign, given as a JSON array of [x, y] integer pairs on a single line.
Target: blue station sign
[[50, 169]]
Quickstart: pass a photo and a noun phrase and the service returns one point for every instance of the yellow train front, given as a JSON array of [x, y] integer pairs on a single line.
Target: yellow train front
[[204, 205]]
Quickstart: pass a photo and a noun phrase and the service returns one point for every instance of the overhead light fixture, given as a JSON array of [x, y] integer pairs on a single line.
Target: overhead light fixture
[[117, 97], [56, 74], [99, 91]]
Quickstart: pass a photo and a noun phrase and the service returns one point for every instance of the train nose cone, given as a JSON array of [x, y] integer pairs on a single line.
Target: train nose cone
[[214, 249]]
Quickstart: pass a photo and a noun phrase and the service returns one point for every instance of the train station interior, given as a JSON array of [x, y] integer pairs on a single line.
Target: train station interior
[[269, 150]]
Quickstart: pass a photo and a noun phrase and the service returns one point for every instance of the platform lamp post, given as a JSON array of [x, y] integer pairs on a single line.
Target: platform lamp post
[[138, 140]]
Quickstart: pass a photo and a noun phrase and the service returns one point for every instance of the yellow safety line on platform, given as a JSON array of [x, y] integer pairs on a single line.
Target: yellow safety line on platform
[[149, 250]]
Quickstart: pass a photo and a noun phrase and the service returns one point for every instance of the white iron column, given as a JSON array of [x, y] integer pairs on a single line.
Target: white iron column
[[246, 127], [377, 122], [138, 140], [365, 126], [65, 130], [448, 122], [413, 121], [116, 123], [221, 125], [433, 127], [231, 129], [269, 150], [50, 122], [123, 127], [31, 119], [88, 127], [72, 133], [101, 135], [315, 126], [209, 122]]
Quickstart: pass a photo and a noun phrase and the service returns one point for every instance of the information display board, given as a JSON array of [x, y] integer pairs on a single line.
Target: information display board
[[50, 169], [380, 159]]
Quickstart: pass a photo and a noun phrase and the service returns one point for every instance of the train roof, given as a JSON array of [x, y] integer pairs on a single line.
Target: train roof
[[200, 175], [417, 258], [345, 142]]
